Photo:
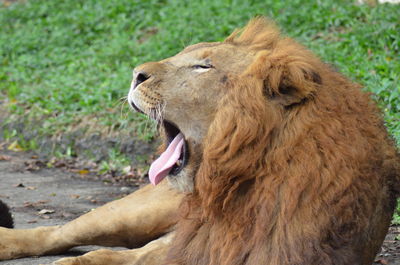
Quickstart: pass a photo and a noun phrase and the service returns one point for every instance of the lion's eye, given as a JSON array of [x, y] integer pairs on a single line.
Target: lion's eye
[[201, 67]]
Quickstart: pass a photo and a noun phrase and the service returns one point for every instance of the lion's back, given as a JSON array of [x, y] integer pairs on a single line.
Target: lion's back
[[360, 165]]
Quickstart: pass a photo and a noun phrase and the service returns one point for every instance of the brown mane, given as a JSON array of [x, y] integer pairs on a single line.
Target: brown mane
[[293, 163]]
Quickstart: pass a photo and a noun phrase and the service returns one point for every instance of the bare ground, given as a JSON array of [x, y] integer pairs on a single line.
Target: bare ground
[[39, 196]]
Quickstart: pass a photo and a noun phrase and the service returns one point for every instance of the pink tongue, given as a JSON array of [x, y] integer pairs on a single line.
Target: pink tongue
[[160, 168]]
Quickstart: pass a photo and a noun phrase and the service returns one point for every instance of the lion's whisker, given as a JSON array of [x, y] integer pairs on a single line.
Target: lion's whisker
[[160, 110], [122, 105], [123, 98]]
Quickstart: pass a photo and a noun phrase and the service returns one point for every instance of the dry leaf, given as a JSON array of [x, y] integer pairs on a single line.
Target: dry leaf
[[5, 158], [15, 147], [381, 261], [35, 204], [83, 171], [127, 169]]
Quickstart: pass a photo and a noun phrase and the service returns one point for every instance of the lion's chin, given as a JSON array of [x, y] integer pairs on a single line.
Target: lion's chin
[[184, 181]]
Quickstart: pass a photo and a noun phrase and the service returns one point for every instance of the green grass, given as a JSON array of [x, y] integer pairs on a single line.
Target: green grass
[[66, 59], [67, 62], [396, 217]]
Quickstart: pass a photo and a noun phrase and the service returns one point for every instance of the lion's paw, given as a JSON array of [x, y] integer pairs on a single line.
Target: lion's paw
[[69, 261], [97, 257]]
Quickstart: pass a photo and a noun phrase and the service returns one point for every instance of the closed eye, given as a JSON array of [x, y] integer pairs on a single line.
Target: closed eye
[[201, 67]]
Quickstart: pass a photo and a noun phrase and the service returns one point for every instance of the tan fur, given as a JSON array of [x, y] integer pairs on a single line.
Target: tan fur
[[296, 168], [289, 164]]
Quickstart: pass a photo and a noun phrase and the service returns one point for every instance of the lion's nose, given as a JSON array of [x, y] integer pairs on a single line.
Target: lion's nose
[[140, 78]]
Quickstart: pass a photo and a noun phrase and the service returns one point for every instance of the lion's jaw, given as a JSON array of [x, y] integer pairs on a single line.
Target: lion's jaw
[[185, 91]]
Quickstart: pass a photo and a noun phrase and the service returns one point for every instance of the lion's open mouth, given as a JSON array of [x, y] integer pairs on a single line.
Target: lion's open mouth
[[171, 132], [174, 158]]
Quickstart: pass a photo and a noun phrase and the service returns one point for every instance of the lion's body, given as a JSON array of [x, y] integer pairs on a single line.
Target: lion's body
[[320, 194], [284, 162], [296, 165]]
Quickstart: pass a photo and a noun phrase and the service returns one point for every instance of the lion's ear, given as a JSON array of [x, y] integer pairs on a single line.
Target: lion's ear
[[292, 85], [289, 77]]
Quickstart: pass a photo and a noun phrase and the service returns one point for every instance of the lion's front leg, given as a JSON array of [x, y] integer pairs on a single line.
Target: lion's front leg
[[151, 254], [129, 222], [17, 243]]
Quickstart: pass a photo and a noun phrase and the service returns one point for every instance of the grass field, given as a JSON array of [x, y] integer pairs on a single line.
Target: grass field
[[64, 60], [66, 63]]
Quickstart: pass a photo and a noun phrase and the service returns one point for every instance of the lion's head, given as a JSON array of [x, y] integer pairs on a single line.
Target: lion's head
[[185, 92], [287, 160]]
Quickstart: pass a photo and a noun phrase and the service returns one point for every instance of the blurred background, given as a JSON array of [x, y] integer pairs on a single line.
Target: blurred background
[[66, 65]]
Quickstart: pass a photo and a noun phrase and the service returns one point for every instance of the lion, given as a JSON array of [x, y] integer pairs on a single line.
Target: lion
[[271, 157]]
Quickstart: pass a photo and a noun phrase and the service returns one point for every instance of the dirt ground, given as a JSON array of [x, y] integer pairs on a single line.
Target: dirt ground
[[39, 196], [42, 197]]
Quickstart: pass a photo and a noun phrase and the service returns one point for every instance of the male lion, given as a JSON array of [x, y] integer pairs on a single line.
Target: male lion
[[272, 158]]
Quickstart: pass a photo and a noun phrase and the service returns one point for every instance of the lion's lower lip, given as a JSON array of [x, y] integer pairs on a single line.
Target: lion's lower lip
[[181, 162], [135, 107]]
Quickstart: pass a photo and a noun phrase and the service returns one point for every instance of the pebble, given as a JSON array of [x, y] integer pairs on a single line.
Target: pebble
[[125, 189]]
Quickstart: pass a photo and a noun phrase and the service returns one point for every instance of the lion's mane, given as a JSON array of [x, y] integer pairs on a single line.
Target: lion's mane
[[297, 167]]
